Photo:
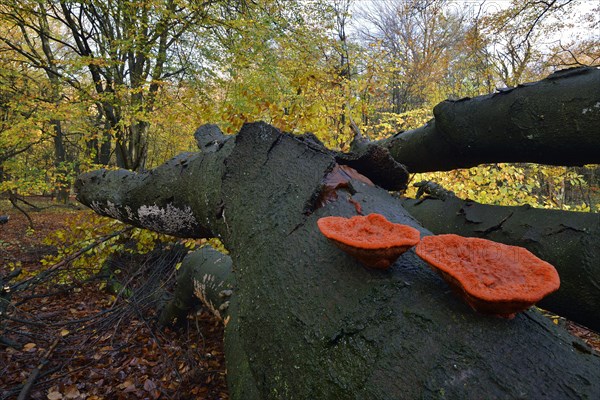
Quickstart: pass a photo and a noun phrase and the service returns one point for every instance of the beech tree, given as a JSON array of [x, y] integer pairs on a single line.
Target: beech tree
[[418, 41], [40, 55], [117, 54], [305, 320]]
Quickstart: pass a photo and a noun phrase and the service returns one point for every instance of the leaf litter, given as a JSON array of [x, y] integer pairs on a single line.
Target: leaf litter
[[108, 346]]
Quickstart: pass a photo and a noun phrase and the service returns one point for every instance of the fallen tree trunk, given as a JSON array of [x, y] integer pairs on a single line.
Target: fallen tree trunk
[[555, 121], [307, 321], [204, 274], [567, 240]]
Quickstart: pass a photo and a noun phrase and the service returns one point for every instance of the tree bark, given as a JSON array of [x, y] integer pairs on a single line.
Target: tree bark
[[204, 274], [567, 240], [555, 121], [307, 320]]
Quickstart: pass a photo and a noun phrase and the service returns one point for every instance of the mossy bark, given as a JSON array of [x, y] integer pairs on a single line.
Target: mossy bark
[[308, 321], [204, 274], [568, 240], [555, 121]]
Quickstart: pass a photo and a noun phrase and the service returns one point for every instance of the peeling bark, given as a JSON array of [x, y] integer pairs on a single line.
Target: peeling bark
[[555, 121], [307, 321], [568, 240]]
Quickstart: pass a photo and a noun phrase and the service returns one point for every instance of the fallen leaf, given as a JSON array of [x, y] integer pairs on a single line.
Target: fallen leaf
[[149, 385], [54, 396], [64, 332], [130, 389], [29, 346], [127, 385], [72, 392]]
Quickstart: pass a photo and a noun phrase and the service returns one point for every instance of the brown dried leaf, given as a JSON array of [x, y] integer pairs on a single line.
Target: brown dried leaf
[[127, 384], [71, 392], [149, 385], [29, 346], [54, 396]]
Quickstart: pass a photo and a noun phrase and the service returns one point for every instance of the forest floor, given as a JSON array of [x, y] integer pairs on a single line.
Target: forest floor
[[87, 344]]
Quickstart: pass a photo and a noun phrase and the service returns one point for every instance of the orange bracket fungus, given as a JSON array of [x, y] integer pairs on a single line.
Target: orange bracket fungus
[[372, 239], [493, 278]]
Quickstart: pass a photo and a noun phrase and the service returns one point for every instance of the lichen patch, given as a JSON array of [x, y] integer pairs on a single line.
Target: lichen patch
[[587, 110], [110, 209], [169, 219]]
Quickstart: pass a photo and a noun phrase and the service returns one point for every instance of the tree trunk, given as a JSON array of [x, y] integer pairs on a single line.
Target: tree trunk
[[204, 274], [60, 157], [307, 320], [555, 121], [567, 240], [60, 154]]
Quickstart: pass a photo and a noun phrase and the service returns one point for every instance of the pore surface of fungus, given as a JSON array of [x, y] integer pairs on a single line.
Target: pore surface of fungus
[[372, 239], [493, 278]]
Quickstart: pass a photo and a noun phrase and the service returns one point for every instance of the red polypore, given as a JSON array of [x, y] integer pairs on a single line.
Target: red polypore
[[372, 239], [493, 278]]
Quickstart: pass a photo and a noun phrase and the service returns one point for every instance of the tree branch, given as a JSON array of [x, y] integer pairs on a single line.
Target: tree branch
[[555, 121], [565, 239]]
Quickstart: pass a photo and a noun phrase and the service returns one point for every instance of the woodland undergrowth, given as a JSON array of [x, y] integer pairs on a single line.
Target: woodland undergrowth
[[83, 324]]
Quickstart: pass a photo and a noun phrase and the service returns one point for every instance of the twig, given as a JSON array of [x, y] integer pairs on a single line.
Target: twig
[[42, 323], [24, 395], [4, 341], [25, 299], [70, 258], [433, 189], [358, 135], [33, 206], [13, 200], [12, 275]]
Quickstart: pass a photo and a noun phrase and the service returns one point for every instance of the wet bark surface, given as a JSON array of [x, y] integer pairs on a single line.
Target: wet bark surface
[[555, 121], [567, 240]]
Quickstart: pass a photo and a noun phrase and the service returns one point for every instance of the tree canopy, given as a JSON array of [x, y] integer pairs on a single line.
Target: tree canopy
[[120, 84]]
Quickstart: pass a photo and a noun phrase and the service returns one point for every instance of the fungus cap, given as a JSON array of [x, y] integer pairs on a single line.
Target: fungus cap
[[493, 278], [372, 239]]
